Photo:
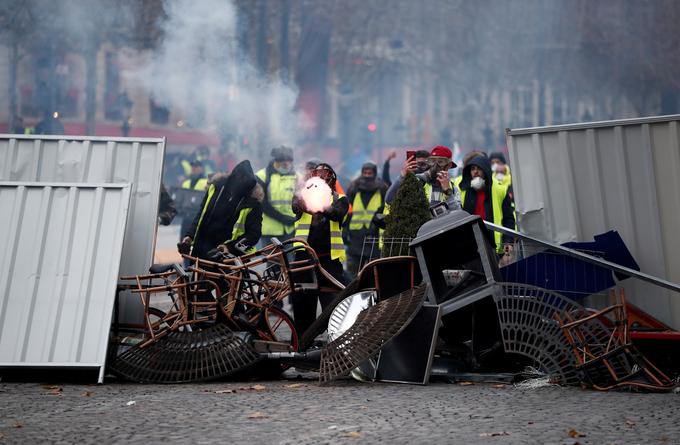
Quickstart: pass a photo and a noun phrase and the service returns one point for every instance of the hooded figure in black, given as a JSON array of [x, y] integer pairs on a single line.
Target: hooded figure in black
[[478, 190], [222, 204]]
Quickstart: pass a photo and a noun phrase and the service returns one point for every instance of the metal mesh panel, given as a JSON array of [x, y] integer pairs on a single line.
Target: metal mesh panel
[[380, 247], [184, 356], [529, 328], [374, 327]]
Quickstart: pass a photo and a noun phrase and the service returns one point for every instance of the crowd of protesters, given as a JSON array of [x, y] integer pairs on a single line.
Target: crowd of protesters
[[265, 204], [236, 212]]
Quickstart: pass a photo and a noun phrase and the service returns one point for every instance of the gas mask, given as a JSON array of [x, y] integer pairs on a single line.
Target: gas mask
[[477, 183], [436, 165]]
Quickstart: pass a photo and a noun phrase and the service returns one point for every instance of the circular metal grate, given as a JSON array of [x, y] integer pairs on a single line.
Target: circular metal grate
[[184, 356]]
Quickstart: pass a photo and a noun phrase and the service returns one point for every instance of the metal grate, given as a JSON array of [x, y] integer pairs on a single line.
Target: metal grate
[[529, 328], [380, 247], [374, 327], [186, 356]]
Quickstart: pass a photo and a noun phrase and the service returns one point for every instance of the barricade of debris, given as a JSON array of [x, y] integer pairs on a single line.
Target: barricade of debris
[[446, 312]]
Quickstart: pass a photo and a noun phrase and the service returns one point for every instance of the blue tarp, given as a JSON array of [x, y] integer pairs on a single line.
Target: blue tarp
[[572, 277]]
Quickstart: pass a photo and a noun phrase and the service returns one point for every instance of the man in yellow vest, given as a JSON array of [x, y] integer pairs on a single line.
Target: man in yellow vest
[[500, 169], [367, 196], [200, 154], [482, 196], [323, 232], [231, 211], [278, 180]]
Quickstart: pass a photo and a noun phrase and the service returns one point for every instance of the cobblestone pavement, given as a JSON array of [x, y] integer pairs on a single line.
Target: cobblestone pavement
[[300, 411]]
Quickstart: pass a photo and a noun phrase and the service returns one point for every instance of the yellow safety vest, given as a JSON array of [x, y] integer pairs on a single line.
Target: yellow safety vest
[[186, 167], [457, 180], [211, 192], [201, 184], [240, 226], [442, 197], [361, 217], [280, 195], [303, 224], [498, 194], [507, 179]]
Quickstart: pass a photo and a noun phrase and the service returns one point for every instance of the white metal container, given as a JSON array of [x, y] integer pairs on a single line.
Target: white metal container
[[59, 256], [85, 159], [574, 181], [78, 159]]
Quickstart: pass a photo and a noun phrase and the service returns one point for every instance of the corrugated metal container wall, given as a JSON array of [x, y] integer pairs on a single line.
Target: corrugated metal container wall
[[59, 254], [78, 159], [572, 182]]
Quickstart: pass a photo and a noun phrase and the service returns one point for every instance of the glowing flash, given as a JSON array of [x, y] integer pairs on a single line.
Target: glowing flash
[[316, 194]]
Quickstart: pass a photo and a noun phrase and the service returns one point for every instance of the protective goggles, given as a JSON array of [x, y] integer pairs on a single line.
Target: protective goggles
[[438, 161], [323, 173]]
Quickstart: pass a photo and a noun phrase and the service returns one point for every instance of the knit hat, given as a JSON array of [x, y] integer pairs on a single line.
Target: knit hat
[[282, 153], [497, 155]]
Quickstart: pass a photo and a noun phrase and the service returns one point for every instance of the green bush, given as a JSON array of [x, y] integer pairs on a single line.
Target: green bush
[[408, 212]]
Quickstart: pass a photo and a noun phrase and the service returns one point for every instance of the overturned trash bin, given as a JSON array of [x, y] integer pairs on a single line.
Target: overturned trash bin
[[488, 325], [458, 262]]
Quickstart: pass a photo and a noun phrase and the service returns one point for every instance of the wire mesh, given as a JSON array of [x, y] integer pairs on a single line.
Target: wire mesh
[[186, 356], [374, 248], [373, 328]]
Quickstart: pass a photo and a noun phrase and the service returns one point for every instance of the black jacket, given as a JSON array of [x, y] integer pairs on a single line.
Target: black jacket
[[166, 207], [508, 218], [319, 237], [231, 194]]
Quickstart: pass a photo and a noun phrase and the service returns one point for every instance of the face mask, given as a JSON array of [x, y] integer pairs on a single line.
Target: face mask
[[494, 167], [283, 170], [500, 176], [477, 183]]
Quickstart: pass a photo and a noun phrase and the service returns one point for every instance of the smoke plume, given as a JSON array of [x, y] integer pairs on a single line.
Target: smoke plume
[[316, 194], [199, 70]]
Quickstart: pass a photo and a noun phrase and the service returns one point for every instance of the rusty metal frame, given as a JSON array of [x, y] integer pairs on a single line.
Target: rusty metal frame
[[614, 362]]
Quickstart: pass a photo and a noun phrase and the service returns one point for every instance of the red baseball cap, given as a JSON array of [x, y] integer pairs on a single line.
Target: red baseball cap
[[443, 152]]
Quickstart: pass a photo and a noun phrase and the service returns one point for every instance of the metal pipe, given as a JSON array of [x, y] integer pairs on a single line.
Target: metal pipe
[[588, 258]]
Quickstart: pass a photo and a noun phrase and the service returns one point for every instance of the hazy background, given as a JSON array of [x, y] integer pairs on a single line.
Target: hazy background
[[341, 80]]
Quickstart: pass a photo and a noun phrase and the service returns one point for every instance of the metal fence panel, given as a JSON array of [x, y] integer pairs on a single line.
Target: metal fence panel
[[59, 253], [78, 159], [574, 181]]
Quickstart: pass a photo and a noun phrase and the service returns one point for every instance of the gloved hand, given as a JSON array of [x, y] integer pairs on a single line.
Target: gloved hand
[[184, 247], [379, 220], [215, 255], [287, 220], [236, 248]]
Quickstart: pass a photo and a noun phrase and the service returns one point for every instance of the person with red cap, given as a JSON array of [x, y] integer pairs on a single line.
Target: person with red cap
[[438, 186]]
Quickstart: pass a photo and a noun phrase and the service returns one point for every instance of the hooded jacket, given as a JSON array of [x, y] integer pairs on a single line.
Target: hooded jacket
[[507, 219], [221, 206]]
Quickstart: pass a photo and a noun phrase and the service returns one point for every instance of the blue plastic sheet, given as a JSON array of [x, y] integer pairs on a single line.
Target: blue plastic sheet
[[570, 276]]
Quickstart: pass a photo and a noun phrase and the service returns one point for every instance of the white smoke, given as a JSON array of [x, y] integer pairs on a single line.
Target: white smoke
[[197, 68], [316, 194]]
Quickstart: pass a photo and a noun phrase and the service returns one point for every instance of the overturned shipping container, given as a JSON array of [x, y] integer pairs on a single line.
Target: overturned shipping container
[[572, 182]]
